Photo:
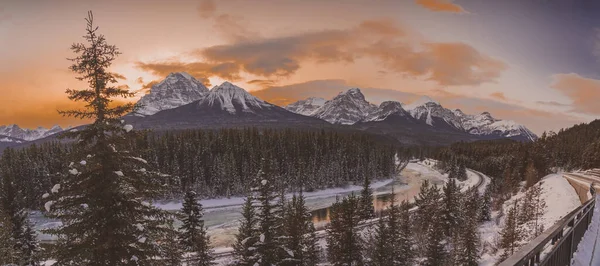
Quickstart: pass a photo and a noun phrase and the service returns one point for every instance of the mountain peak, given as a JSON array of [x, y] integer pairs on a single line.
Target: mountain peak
[[14, 131], [177, 89], [228, 86], [422, 101], [306, 107], [233, 99], [348, 107], [355, 92]]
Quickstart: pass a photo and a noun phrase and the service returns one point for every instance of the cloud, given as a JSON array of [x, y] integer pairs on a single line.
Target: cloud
[[393, 46], [207, 8], [448, 64], [441, 6], [199, 70], [552, 103], [499, 96], [584, 92], [263, 83], [233, 28]]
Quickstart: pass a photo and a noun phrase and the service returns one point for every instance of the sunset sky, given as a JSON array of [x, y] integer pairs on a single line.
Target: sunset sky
[[533, 61]]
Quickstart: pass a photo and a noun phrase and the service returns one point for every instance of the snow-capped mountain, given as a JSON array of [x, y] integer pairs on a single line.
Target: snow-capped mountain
[[386, 109], [430, 111], [227, 106], [15, 132], [233, 99], [351, 107], [433, 114], [346, 108], [306, 107], [485, 125], [175, 90]]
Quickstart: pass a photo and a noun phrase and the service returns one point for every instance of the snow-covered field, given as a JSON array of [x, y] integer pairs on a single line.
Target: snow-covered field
[[560, 199]]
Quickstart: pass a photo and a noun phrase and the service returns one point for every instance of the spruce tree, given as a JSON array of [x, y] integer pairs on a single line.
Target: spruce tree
[[104, 200], [299, 241], [450, 209], [466, 251], [244, 250], [486, 206], [18, 244], [267, 247], [344, 244], [380, 245], [405, 254], [511, 234], [192, 234], [435, 250], [367, 210], [462, 173], [428, 212]]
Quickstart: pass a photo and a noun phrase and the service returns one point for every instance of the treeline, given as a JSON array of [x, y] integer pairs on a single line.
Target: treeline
[[509, 162], [222, 163], [441, 231]]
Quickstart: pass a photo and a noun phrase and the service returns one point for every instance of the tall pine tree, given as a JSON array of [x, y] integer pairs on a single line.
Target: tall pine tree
[[193, 237], [268, 248], [18, 244], [244, 250], [103, 200], [344, 243], [367, 210], [299, 240]]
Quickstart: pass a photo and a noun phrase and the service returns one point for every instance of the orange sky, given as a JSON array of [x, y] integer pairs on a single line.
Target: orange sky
[[453, 51]]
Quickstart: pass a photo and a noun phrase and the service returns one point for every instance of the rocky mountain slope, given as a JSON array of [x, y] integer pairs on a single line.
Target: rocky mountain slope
[[17, 133], [351, 107], [346, 108], [175, 90], [226, 106]]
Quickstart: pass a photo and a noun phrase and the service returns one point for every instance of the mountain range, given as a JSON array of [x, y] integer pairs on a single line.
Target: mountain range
[[351, 108], [182, 102]]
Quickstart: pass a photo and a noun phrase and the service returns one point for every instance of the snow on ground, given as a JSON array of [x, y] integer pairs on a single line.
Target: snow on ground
[[427, 167], [212, 204], [222, 215], [588, 251], [560, 198]]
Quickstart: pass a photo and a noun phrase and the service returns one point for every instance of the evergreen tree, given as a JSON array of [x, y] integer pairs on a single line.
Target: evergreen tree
[[428, 212], [486, 206], [466, 252], [450, 209], [405, 253], [367, 210], [510, 236], [344, 244], [18, 244], [380, 245], [102, 201], [435, 251], [462, 173], [268, 249], [246, 237], [193, 235], [171, 251], [300, 242]]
